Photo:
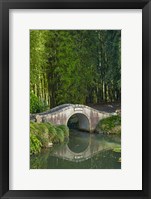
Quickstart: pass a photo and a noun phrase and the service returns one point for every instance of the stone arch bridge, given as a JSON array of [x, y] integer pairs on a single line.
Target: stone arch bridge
[[88, 117]]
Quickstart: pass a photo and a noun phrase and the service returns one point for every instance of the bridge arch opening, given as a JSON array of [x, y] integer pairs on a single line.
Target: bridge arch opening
[[79, 121]]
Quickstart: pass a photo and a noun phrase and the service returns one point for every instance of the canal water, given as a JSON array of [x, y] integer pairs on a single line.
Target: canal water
[[82, 151]]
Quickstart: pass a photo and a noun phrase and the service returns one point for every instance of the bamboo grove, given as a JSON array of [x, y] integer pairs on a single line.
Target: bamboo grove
[[75, 66]]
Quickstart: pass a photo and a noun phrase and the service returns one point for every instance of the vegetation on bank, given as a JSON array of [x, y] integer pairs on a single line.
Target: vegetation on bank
[[43, 135], [110, 125]]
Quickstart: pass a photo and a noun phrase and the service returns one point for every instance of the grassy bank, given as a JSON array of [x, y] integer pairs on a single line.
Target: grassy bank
[[110, 125], [43, 135]]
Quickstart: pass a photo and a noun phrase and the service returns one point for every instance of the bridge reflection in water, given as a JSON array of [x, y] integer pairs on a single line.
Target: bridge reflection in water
[[79, 152], [82, 146]]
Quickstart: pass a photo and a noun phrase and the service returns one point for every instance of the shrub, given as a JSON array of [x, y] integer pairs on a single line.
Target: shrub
[[35, 144], [51, 131], [46, 133], [41, 131], [65, 129], [110, 125], [36, 105], [59, 136]]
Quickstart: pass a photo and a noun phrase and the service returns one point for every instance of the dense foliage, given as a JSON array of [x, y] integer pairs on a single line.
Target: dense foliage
[[110, 125], [44, 134], [37, 105], [35, 144], [74, 66]]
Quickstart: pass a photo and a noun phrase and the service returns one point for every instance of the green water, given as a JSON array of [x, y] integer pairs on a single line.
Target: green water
[[82, 151]]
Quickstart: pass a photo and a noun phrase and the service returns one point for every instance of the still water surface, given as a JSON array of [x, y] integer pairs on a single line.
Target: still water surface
[[82, 151]]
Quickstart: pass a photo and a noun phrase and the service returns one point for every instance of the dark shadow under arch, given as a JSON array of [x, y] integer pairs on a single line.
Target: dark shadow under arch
[[79, 121]]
